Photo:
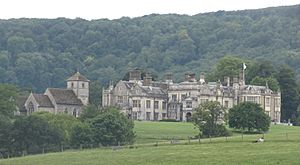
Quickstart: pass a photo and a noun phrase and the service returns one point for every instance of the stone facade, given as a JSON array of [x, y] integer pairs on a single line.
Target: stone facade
[[148, 100], [54, 100], [140, 100]]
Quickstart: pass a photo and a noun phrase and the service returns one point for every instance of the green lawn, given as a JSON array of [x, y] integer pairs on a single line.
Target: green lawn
[[150, 132], [282, 146]]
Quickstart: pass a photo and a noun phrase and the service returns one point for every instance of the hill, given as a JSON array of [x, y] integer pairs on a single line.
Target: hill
[[40, 53]]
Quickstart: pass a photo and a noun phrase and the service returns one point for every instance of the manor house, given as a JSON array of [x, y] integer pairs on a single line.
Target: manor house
[[153, 100], [55, 100]]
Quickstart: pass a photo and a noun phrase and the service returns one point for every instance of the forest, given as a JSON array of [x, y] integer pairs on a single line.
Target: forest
[[40, 53]]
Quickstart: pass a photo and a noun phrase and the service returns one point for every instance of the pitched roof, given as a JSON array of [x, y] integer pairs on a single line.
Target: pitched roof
[[77, 77], [20, 102], [43, 100], [65, 96]]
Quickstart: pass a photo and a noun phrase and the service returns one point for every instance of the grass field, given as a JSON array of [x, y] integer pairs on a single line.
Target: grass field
[[150, 132], [282, 146]]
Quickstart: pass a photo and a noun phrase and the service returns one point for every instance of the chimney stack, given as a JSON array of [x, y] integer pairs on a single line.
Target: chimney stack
[[147, 80], [135, 75], [235, 80], [202, 78], [168, 78], [227, 81], [190, 77]]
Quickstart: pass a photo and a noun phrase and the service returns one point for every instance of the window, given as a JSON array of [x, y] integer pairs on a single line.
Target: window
[[226, 104], [164, 105], [189, 104], [136, 103], [72, 85], [134, 115], [163, 115], [119, 99], [148, 114], [267, 103], [75, 112], [82, 85], [277, 102], [183, 96], [30, 108], [155, 104], [155, 116], [252, 99], [174, 97], [148, 104]]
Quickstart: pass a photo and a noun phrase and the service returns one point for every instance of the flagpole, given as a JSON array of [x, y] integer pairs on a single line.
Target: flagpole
[[244, 67]]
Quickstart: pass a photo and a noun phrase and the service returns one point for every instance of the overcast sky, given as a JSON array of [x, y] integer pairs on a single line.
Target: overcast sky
[[113, 9]]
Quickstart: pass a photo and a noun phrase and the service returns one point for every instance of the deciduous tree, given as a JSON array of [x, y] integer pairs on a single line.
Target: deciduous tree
[[248, 117], [209, 118]]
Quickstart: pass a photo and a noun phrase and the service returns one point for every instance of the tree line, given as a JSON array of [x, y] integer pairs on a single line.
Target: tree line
[[44, 132], [40, 53]]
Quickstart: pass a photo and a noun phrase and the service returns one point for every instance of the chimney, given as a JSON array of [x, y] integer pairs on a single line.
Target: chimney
[[168, 78], [147, 80], [235, 80], [227, 81], [187, 77], [202, 78], [135, 75], [191, 77]]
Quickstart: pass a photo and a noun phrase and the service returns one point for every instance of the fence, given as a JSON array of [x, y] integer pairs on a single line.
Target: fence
[[169, 141]]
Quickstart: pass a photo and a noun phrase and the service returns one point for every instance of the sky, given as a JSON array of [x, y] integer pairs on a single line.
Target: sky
[[114, 9]]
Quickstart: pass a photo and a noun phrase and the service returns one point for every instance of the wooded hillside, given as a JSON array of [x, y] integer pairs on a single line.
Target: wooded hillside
[[40, 53]]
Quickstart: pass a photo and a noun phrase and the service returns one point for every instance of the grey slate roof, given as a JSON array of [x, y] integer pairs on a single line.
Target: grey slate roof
[[65, 96], [154, 91], [43, 100], [77, 77], [20, 101]]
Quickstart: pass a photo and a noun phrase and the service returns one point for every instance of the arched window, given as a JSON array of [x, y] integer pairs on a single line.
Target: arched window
[[30, 108], [75, 112]]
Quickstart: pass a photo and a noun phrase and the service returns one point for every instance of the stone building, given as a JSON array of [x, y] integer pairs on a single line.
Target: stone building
[[149, 100], [54, 100], [139, 99]]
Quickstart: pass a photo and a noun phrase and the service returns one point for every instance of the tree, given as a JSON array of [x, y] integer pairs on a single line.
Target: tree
[[89, 112], [112, 128], [209, 118], [248, 116], [81, 135], [270, 81], [262, 69], [61, 122], [5, 135], [8, 95], [95, 94], [289, 93], [32, 134], [227, 66]]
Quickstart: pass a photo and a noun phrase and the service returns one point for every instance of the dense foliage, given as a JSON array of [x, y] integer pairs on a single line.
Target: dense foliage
[[112, 128], [209, 117], [40, 53], [249, 117]]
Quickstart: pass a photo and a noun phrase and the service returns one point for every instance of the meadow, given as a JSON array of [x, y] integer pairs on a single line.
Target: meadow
[[153, 147]]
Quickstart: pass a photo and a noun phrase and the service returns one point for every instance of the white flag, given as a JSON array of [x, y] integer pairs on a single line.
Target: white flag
[[244, 66]]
